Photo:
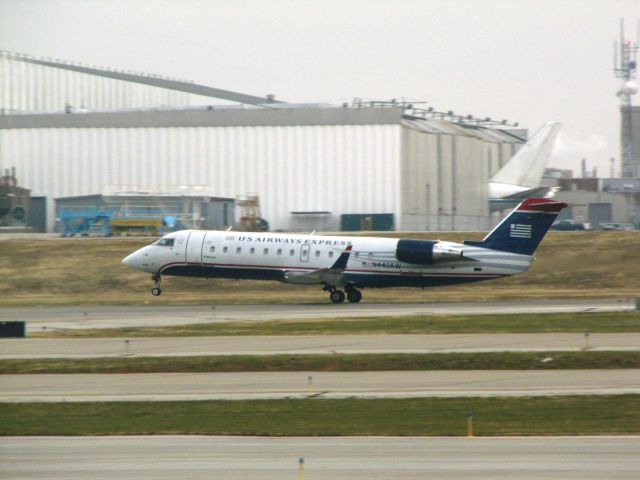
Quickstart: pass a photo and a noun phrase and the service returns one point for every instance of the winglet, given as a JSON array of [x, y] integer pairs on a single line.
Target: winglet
[[541, 205], [341, 262]]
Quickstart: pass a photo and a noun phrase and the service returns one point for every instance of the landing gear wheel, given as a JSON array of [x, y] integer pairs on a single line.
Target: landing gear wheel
[[337, 296], [155, 291], [354, 296]]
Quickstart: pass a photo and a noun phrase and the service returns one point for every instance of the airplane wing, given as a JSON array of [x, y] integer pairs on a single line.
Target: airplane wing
[[333, 275]]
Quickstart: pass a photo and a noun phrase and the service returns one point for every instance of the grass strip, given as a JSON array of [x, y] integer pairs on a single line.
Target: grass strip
[[571, 415], [594, 322], [330, 363], [568, 265]]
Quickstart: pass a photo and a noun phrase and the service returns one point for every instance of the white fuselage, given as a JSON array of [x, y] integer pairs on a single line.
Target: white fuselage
[[293, 258], [349, 262]]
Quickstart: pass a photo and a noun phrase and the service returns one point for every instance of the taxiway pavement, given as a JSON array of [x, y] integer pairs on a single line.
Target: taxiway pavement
[[109, 316], [271, 385], [337, 458], [312, 344]]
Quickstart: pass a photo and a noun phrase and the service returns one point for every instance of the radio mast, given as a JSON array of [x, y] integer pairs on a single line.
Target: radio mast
[[624, 68]]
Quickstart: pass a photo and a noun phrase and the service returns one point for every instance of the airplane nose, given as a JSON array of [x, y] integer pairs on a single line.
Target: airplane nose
[[127, 260], [132, 260], [139, 260]]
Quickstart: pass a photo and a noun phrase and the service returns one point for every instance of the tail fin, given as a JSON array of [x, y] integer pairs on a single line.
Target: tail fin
[[523, 229], [526, 167]]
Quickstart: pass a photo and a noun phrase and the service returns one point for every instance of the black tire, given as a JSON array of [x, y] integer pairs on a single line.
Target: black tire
[[354, 296], [155, 291], [337, 296]]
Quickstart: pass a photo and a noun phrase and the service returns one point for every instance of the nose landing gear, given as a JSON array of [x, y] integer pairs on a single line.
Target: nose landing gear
[[155, 291]]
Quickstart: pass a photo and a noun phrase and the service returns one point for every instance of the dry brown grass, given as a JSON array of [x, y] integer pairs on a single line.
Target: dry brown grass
[[66, 271]]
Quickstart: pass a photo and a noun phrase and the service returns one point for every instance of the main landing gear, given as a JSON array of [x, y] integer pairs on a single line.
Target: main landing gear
[[155, 291], [353, 295], [338, 296]]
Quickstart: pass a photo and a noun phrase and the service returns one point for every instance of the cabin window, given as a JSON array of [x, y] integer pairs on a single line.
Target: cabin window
[[252, 251], [238, 249], [165, 242], [266, 251], [331, 254], [292, 252], [225, 249], [370, 255], [317, 253], [279, 251], [212, 249]]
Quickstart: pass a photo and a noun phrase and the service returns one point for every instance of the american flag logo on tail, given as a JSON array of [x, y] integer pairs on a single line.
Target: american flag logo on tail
[[519, 230]]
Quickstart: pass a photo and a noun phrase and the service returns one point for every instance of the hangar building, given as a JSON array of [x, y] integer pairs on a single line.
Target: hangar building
[[423, 170]]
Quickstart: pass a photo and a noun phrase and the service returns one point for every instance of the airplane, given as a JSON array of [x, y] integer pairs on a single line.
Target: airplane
[[343, 265], [520, 177]]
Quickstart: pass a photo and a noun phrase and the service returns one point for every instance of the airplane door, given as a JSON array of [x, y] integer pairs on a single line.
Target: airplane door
[[304, 253], [194, 246], [209, 248]]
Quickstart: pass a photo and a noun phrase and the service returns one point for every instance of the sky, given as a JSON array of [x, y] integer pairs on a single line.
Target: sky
[[527, 61]]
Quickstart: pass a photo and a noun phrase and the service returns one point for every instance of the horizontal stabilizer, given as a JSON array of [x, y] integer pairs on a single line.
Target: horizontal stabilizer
[[532, 192], [510, 201]]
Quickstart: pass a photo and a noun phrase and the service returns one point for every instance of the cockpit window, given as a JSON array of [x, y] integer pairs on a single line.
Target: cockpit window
[[165, 242]]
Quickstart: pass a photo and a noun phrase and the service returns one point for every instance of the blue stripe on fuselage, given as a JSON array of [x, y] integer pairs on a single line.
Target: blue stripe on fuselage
[[361, 280]]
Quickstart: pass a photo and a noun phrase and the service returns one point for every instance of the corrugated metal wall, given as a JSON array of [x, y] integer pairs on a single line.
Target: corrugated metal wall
[[445, 172], [341, 169], [25, 86], [429, 174]]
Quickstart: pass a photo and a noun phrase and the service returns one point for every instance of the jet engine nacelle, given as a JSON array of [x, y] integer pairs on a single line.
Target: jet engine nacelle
[[426, 252]]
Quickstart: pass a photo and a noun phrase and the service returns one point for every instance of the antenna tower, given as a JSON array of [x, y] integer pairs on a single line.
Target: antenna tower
[[624, 68]]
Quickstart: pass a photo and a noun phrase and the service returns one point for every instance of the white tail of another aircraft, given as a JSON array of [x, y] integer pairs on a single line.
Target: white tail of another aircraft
[[520, 177]]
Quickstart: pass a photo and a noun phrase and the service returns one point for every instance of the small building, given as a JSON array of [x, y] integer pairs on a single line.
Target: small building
[[141, 213], [601, 200], [552, 176], [574, 184]]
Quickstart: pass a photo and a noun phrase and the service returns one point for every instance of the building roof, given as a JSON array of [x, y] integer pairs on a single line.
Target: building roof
[[142, 78], [284, 115], [204, 117]]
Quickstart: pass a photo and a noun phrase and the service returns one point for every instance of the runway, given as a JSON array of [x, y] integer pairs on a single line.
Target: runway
[[337, 458], [312, 344], [99, 316], [272, 385]]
